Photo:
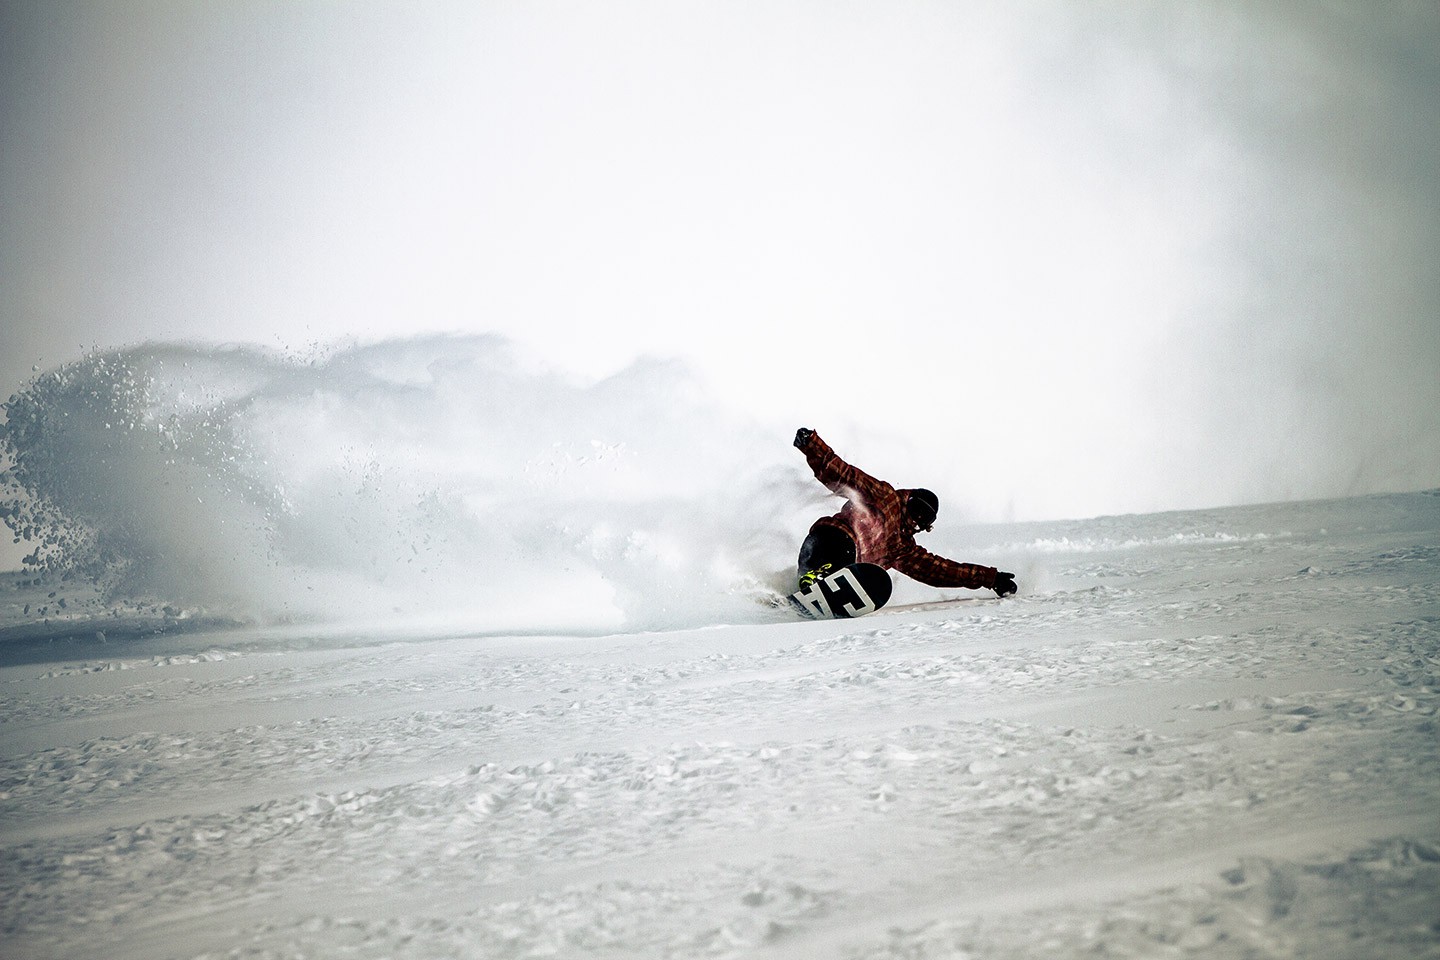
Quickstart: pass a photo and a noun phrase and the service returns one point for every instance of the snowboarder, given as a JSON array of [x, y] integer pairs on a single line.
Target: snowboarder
[[878, 525]]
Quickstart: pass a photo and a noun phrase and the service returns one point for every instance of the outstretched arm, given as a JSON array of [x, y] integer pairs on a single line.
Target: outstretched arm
[[936, 571], [839, 476]]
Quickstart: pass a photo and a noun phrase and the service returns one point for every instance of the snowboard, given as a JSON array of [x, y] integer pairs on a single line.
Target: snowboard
[[851, 591]]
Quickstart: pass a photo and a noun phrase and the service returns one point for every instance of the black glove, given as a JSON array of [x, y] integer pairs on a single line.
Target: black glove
[[802, 437], [1004, 584]]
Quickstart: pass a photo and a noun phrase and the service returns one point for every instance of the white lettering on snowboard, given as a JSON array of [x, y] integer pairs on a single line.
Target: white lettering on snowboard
[[866, 605], [812, 599]]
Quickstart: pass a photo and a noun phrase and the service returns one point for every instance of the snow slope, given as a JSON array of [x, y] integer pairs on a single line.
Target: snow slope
[[1203, 734]]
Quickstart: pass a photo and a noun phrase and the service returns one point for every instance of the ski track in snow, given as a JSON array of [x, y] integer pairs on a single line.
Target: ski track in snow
[[1217, 743]]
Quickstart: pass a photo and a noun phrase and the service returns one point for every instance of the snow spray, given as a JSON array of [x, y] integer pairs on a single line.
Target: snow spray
[[437, 480]]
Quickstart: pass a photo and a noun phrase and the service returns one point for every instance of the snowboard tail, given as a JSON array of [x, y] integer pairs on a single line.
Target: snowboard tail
[[851, 591]]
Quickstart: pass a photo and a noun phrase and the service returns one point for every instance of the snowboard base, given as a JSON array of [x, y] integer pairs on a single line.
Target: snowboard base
[[851, 591]]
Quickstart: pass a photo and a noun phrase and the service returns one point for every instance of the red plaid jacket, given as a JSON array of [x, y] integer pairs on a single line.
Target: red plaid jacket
[[874, 517]]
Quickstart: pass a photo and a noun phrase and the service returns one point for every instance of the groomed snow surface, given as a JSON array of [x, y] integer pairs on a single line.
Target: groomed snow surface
[[1206, 734]]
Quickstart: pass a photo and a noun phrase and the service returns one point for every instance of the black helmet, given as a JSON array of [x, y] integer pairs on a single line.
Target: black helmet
[[922, 506]]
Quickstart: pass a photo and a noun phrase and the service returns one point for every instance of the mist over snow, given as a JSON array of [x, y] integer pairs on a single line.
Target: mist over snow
[[1072, 259], [426, 480], [400, 404]]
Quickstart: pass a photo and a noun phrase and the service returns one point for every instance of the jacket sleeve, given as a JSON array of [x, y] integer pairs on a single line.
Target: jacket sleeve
[[935, 571], [836, 474]]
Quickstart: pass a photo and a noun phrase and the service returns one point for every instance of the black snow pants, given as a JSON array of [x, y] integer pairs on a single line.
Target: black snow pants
[[826, 544]]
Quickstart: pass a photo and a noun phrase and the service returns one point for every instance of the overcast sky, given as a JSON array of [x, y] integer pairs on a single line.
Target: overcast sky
[[1098, 257]]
